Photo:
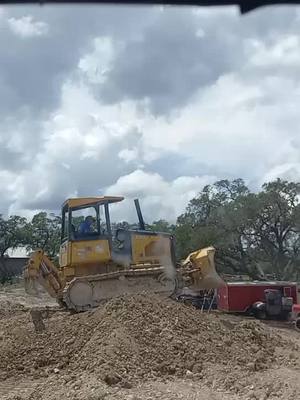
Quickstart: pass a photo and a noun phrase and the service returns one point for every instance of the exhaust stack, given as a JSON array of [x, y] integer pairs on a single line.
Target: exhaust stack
[[139, 214]]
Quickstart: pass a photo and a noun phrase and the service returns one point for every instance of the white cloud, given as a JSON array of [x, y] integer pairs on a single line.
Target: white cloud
[[129, 155], [159, 198], [27, 27], [82, 128], [96, 65], [285, 51], [200, 33], [289, 171], [8, 182], [10, 189], [244, 122], [235, 136], [82, 147]]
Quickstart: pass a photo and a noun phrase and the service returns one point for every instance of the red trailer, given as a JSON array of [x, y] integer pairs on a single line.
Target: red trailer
[[243, 297], [296, 316]]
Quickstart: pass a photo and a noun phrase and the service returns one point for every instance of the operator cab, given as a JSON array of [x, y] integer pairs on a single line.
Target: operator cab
[[76, 212], [98, 245]]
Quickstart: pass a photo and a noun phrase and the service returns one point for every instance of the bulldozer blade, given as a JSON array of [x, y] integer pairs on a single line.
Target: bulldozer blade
[[199, 272]]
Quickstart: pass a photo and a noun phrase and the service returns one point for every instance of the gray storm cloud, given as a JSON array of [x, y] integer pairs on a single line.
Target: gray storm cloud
[[188, 95]]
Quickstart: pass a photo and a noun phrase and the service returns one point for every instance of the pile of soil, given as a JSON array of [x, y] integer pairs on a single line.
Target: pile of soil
[[138, 338], [14, 299], [8, 309], [142, 338]]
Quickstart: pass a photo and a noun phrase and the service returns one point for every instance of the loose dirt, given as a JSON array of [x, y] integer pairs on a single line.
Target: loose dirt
[[143, 347]]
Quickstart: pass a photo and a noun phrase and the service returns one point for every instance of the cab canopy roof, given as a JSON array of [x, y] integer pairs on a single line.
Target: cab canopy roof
[[81, 202]]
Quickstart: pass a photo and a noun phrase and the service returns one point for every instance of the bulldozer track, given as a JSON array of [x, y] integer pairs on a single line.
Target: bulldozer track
[[145, 277]]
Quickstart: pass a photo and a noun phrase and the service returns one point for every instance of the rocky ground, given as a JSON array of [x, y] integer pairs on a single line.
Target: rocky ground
[[142, 347]]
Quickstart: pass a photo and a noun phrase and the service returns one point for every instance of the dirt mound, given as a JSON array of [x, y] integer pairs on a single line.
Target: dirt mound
[[144, 337], [15, 301], [136, 338], [8, 308]]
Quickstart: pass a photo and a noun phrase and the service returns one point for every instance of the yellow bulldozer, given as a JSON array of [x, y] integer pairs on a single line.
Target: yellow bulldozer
[[96, 264]]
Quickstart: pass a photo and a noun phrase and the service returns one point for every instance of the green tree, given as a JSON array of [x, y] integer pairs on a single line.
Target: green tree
[[44, 233], [162, 226], [13, 233], [213, 218], [121, 225], [252, 232], [275, 228], [234, 238]]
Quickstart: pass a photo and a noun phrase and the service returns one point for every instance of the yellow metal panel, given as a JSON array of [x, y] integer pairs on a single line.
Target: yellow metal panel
[[69, 271], [90, 251], [65, 254], [147, 248], [89, 201]]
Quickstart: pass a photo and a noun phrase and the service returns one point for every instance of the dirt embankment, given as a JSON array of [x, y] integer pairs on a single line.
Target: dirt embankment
[[134, 341]]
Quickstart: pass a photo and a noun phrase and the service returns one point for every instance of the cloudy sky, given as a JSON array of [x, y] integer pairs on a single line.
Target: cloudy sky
[[153, 102]]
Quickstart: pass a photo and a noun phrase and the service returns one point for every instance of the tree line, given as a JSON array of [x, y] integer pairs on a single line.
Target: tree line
[[254, 233]]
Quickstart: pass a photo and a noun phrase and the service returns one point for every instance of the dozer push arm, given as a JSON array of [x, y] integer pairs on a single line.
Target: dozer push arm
[[40, 269]]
